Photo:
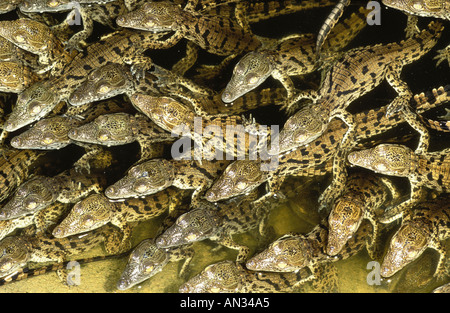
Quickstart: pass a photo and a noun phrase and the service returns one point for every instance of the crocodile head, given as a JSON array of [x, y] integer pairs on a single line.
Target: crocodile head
[[250, 72], [417, 7], [387, 159], [406, 245], [109, 130], [39, 6], [28, 35], [195, 225], [300, 129], [8, 5], [226, 276], [165, 112], [145, 261], [345, 217], [46, 134], [286, 254], [143, 179], [32, 196], [14, 255], [88, 214], [102, 83], [152, 16], [32, 104], [12, 77], [240, 177]]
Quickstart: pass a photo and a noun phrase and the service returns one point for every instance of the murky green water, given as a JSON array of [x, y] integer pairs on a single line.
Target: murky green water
[[300, 213]]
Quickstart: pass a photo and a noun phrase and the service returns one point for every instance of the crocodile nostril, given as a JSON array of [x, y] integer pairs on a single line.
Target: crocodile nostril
[[16, 142]]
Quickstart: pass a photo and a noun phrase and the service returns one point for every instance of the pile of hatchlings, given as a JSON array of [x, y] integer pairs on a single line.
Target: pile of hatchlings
[[114, 116]]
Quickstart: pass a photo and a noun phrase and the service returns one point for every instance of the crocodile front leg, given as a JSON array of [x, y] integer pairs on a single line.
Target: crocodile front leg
[[443, 54], [411, 26], [74, 43], [397, 211]]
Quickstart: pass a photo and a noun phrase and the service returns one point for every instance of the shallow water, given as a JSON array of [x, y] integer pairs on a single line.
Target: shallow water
[[300, 213]]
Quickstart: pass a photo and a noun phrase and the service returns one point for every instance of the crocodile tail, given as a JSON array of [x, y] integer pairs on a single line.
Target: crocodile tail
[[414, 48], [430, 100]]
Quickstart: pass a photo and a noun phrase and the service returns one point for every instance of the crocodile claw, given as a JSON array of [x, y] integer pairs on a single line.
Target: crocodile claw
[[443, 54]]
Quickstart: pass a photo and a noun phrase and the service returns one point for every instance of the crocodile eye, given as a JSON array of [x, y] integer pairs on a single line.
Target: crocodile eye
[[35, 108], [53, 3], [103, 136], [241, 185], [380, 167], [103, 89], [19, 38], [252, 80], [30, 204], [88, 221], [47, 140], [418, 6]]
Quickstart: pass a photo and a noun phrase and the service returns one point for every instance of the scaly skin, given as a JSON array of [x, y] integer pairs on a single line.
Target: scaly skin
[[231, 277], [294, 252], [18, 251], [423, 170], [120, 129], [37, 38], [147, 259], [155, 175], [364, 197], [114, 79], [426, 8], [39, 192], [293, 55], [15, 77], [216, 34], [216, 223], [52, 133], [15, 168], [96, 210], [215, 130], [425, 226], [42, 220], [89, 11], [317, 157], [41, 98]]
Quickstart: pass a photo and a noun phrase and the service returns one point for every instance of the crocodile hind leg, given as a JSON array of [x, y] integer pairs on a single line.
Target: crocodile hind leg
[[443, 54], [243, 253], [183, 65], [401, 87]]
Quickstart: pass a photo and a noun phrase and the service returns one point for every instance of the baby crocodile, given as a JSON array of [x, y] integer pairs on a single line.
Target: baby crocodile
[[96, 210], [120, 129], [18, 251], [364, 197], [43, 220], [15, 167], [38, 39], [52, 133], [423, 170], [316, 158], [87, 10], [113, 79], [294, 252], [147, 259], [293, 55], [232, 277], [360, 71], [215, 134], [427, 8], [42, 97], [155, 175], [15, 76], [41, 191], [216, 34], [424, 226], [217, 223]]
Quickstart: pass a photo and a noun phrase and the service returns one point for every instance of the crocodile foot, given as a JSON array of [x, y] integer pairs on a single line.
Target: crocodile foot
[[443, 54]]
